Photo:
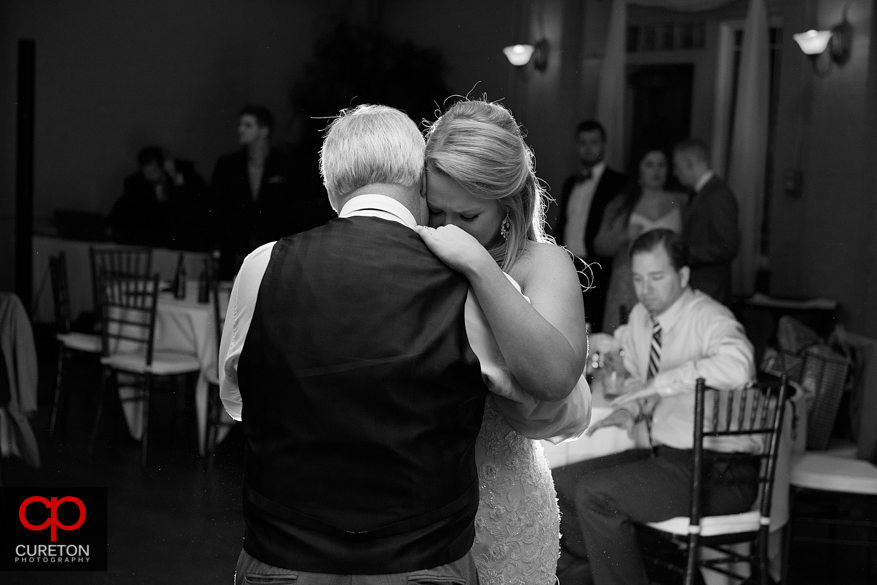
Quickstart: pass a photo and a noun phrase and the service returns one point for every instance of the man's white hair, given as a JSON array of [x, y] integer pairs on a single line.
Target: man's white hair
[[370, 144]]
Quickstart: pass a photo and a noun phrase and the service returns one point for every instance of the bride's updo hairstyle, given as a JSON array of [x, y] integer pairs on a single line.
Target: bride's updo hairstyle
[[479, 145]]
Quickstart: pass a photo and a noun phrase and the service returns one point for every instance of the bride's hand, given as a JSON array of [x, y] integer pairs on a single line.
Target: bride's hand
[[454, 247]]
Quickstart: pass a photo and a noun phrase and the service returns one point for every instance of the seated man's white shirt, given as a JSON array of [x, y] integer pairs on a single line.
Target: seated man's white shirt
[[554, 421], [700, 338]]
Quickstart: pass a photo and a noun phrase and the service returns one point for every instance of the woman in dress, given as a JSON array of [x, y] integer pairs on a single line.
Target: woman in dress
[[486, 219], [643, 206]]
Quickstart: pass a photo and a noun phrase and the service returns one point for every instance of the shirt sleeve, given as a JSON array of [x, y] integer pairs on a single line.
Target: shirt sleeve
[[728, 361], [535, 419], [623, 336], [556, 422], [241, 304]]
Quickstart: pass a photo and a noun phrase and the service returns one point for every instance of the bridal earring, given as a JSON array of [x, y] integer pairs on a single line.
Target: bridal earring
[[505, 226]]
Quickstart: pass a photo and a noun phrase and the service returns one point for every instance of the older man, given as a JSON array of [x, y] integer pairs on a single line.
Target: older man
[[674, 336]]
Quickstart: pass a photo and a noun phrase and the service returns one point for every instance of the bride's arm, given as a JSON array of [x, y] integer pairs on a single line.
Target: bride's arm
[[543, 343]]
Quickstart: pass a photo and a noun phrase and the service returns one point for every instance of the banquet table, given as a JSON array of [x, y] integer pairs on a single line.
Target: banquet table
[[164, 262], [184, 326], [605, 441]]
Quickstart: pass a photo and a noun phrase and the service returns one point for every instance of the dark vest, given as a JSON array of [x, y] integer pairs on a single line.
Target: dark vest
[[362, 401]]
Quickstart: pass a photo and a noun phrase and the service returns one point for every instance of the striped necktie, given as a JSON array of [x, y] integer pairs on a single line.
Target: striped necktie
[[654, 366], [655, 352]]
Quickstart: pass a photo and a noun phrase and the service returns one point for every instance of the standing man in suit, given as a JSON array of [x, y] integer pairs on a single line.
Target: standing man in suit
[[581, 204], [710, 225], [253, 195], [348, 344]]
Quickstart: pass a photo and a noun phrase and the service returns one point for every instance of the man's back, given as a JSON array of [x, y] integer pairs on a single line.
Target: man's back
[[363, 402], [711, 230]]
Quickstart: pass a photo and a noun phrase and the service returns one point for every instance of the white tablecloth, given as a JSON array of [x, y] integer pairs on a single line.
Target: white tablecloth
[[605, 441], [79, 278]]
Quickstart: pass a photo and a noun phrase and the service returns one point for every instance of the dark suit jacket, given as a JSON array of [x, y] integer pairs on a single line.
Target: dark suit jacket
[[279, 209], [711, 228], [139, 218], [611, 184]]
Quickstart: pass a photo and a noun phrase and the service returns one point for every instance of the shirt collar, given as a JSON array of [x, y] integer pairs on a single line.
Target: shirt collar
[[703, 180], [597, 170], [669, 317], [374, 205]]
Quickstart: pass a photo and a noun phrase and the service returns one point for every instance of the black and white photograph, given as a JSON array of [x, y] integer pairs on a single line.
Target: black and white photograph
[[480, 292]]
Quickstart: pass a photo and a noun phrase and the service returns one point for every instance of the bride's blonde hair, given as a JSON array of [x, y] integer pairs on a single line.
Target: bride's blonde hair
[[478, 144]]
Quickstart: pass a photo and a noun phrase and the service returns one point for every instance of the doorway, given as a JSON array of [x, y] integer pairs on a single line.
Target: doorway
[[660, 107]]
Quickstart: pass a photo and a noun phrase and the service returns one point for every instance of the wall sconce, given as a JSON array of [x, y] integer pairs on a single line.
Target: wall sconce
[[520, 55], [836, 42]]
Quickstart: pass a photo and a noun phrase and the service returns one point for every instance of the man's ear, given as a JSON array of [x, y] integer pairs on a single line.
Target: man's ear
[[684, 275]]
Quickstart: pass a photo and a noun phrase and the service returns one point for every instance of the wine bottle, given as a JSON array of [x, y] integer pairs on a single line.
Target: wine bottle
[[180, 280], [203, 286]]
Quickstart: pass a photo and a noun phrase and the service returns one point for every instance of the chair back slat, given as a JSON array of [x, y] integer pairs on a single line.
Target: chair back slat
[[60, 292], [128, 311], [118, 260], [757, 411]]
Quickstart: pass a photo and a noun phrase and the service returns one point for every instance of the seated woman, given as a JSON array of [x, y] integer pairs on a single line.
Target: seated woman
[[485, 205], [643, 206]]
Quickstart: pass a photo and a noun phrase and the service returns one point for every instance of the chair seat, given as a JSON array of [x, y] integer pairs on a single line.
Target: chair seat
[[712, 525], [163, 363], [834, 472], [80, 341]]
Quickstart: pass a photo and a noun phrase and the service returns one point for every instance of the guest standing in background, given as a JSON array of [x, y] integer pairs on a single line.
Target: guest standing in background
[[580, 210], [162, 204], [254, 197], [643, 206], [710, 224]]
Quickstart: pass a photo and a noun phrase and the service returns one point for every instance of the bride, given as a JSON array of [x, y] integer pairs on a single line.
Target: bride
[[486, 220]]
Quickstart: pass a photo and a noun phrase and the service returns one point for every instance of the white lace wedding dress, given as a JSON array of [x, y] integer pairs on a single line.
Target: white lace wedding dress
[[517, 531], [517, 527]]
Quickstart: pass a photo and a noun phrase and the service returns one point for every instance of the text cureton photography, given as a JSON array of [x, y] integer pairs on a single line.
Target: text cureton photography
[[53, 529]]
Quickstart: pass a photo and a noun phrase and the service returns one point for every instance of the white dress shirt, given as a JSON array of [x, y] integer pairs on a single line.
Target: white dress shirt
[[554, 421], [700, 338], [578, 209], [703, 180]]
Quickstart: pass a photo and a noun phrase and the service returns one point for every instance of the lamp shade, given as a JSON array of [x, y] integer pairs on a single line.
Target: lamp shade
[[518, 54], [813, 42]]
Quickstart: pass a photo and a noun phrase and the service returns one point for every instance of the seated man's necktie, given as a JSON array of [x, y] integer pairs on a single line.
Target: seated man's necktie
[[654, 366], [655, 351]]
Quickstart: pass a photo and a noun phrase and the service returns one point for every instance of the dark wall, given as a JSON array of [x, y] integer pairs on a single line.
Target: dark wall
[[115, 75]]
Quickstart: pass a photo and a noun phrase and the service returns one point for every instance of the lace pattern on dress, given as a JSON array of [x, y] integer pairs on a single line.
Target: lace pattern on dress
[[517, 529]]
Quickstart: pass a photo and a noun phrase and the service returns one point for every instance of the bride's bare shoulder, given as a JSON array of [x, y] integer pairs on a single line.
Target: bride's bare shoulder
[[541, 258]]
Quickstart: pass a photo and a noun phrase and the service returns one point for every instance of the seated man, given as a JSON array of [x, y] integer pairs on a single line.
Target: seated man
[[162, 205], [674, 335]]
